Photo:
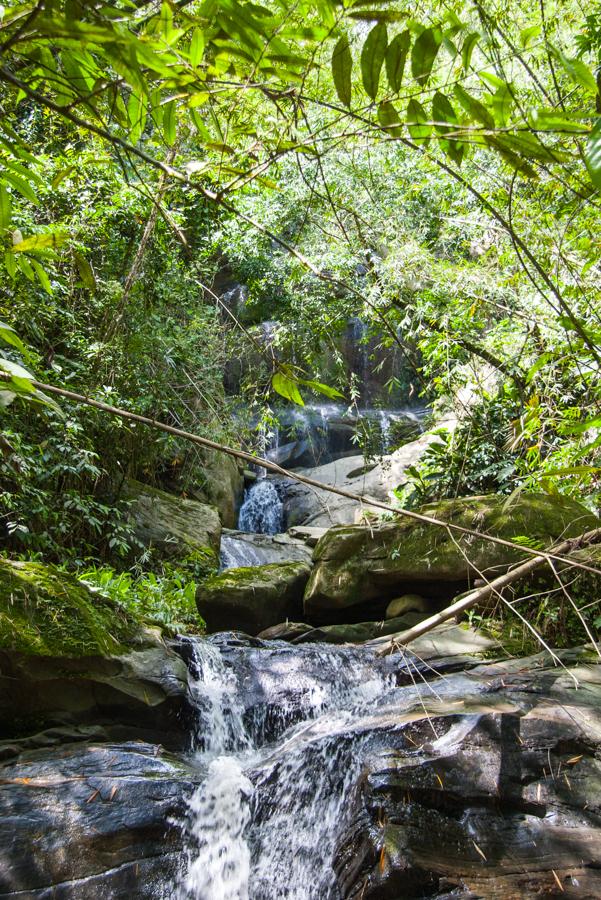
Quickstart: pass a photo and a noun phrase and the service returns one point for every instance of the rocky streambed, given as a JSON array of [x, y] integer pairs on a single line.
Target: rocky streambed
[[314, 772], [140, 764]]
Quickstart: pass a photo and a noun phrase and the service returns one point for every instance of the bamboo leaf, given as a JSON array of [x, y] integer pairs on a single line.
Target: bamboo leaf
[[170, 123], [5, 207], [396, 56], [592, 154], [416, 122], [342, 64], [197, 46], [372, 58], [424, 53], [389, 119]]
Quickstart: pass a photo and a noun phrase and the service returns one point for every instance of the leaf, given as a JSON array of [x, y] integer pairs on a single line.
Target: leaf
[[577, 71], [468, 47], [170, 123], [197, 46], [42, 276], [416, 119], [424, 53], [552, 120], [86, 273], [342, 64], [325, 389], [592, 154], [372, 58], [527, 35], [60, 176], [445, 120], [9, 336], [474, 108], [389, 119], [287, 387], [396, 56], [37, 242], [5, 207]]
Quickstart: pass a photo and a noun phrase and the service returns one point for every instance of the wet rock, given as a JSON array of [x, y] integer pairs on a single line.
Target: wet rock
[[253, 598], [243, 548], [492, 796], [175, 525], [102, 819], [358, 565]]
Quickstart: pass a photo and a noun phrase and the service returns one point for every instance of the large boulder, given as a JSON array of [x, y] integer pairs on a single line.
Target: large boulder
[[221, 485], [366, 566], [174, 525], [252, 598], [71, 658]]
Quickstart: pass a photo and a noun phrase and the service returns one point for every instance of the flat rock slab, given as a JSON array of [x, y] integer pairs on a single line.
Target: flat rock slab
[[103, 820]]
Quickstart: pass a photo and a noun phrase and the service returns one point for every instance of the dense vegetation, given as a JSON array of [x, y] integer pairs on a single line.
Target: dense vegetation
[[433, 171]]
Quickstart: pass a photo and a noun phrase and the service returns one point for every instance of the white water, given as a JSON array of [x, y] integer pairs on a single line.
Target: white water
[[262, 511], [266, 820]]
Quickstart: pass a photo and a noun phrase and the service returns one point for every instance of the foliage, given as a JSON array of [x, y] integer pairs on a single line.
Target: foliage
[[166, 598]]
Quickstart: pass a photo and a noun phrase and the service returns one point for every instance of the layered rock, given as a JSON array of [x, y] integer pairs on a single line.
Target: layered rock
[[70, 658], [243, 548], [174, 525], [253, 598], [366, 566]]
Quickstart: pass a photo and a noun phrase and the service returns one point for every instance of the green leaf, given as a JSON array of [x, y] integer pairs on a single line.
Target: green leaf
[[559, 121], [197, 46], [468, 47], [577, 71], [443, 114], [424, 53], [42, 276], [38, 242], [416, 119], [396, 56], [342, 64], [170, 123], [389, 119], [86, 273], [372, 58], [5, 207], [287, 387], [9, 336], [325, 389], [592, 154], [474, 108], [527, 35]]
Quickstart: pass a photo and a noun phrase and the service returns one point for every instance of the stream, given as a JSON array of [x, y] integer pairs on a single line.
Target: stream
[[274, 800]]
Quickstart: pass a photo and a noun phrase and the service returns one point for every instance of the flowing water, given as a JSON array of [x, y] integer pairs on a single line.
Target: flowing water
[[262, 511], [282, 733]]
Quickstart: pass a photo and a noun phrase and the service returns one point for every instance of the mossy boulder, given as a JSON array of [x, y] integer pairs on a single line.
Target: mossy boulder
[[252, 598], [174, 525], [70, 657], [366, 566], [46, 612]]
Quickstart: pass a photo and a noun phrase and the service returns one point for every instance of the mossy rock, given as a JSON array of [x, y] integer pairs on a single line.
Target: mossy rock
[[252, 598], [360, 564], [46, 612], [175, 526]]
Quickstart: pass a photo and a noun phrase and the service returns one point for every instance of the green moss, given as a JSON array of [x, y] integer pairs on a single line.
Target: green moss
[[47, 612], [249, 576]]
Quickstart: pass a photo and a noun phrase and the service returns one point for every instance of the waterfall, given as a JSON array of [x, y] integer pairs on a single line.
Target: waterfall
[[276, 795], [262, 511]]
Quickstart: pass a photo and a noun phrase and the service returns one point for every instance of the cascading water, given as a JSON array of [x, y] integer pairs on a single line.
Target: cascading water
[[262, 511], [282, 735]]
